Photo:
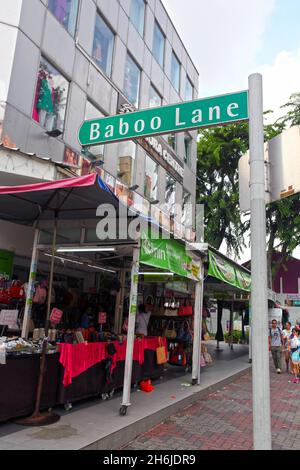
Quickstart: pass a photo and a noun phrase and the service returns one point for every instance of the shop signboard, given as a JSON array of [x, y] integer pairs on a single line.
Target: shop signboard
[[102, 318], [178, 117], [227, 272], [6, 263], [56, 316], [169, 255], [9, 318]]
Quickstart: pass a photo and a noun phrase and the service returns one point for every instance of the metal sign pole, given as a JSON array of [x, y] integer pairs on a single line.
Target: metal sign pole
[[262, 437]]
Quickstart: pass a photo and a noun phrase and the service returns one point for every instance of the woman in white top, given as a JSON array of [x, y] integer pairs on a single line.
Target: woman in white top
[[294, 346], [286, 333]]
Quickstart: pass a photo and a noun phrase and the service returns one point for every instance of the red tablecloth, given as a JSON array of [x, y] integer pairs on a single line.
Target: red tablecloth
[[77, 358]]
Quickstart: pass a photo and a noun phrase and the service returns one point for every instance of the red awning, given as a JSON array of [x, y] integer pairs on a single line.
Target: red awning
[[73, 198]]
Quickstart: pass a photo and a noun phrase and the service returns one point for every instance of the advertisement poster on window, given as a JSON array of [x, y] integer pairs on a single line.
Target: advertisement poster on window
[[130, 200], [121, 192], [110, 181], [86, 166], [71, 158]]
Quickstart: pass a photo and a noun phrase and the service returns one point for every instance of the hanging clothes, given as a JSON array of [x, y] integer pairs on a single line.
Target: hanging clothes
[[45, 99], [60, 10]]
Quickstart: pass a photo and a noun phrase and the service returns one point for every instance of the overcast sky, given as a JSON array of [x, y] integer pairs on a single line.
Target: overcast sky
[[230, 39]]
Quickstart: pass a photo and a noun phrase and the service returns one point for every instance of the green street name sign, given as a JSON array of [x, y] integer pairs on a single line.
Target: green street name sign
[[205, 112]]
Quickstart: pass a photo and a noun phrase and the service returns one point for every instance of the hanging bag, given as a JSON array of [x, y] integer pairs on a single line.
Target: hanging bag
[[170, 331], [161, 354], [178, 357], [185, 310], [185, 334]]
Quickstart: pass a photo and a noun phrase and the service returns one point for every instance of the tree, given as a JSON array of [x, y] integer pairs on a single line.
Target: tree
[[219, 151], [283, 228], [292, 117]]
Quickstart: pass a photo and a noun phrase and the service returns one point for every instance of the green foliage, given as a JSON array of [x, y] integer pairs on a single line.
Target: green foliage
[[292, 116], [219, 151], [236, 336]]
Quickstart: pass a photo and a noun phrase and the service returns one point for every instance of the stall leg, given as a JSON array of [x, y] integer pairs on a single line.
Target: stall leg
[[119, 304], [231, 328], [30, 289], [197, 330], [38, 418], [131, 329]]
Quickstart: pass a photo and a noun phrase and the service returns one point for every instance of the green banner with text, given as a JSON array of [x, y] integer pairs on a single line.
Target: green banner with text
[[6, 263], [169, 255], [227, 272]]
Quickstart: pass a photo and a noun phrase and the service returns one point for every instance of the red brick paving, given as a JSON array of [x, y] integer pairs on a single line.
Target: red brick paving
[[223, 420]]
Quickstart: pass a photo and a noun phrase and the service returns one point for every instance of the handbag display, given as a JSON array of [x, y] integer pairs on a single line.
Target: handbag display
[[170, 331], [185, 310], [170, 312], [161, 354], [4, 296], [207, 358], [16, 290], [185, 334], [202, 361], [178, 357]]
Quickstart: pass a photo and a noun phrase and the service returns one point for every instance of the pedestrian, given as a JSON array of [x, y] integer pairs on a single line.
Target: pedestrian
[[294, 353], [142, 320], [275, 345], [286, 333]]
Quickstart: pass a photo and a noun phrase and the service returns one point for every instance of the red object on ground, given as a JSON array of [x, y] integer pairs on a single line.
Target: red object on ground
[[146, 386], [77, 358]]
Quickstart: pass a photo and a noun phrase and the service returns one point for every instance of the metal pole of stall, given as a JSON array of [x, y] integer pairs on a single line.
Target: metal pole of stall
[[30, 288], [197, 329], [131, 329], [38, 418], [231, 327], [119, 303], [262, 436]]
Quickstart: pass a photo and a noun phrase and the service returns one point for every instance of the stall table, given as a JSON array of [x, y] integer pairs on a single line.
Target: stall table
[[19, 379]]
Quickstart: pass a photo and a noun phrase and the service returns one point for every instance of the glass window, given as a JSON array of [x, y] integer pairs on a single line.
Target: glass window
[[126, 152], [154, 98], [103, 45], [151, 177], [175, 72], [170, 194], [132, 81], [51, 97], [65, 11], [187, 149], [158, 45], [186, 216], [137, 15], [95, 152], [188, 90], [172, 141]]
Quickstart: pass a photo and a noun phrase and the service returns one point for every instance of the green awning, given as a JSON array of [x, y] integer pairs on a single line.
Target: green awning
[[169, 255], [228, 272]]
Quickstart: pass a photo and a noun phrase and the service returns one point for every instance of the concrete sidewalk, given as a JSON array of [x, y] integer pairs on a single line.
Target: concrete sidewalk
[[97, 425]]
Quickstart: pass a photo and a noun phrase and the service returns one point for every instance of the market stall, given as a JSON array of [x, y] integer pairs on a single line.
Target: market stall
[[54, 206]]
